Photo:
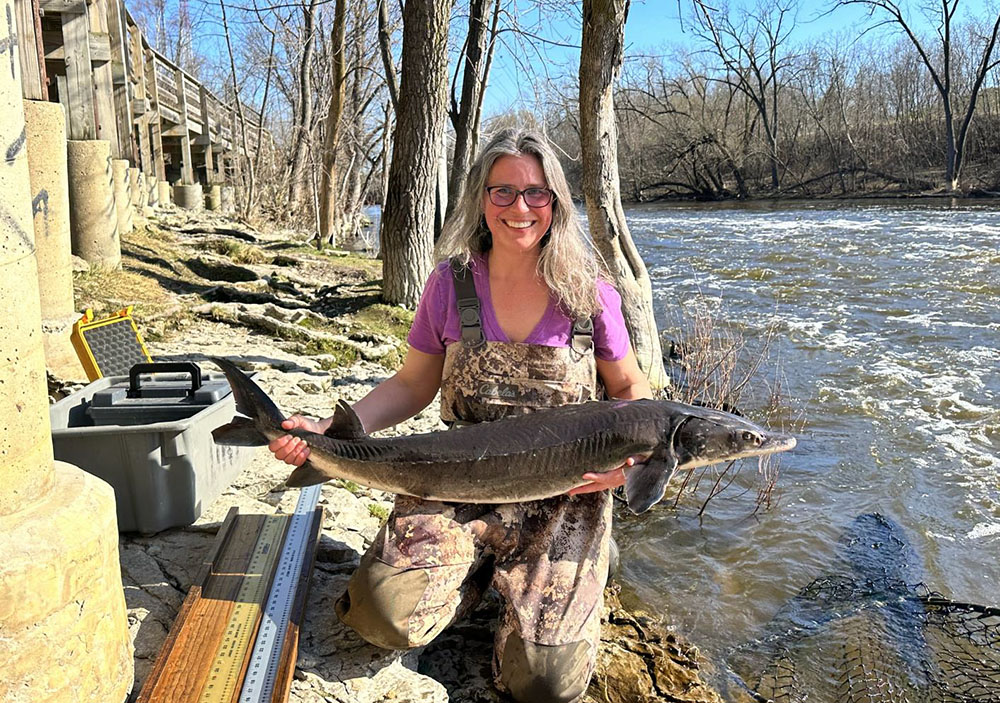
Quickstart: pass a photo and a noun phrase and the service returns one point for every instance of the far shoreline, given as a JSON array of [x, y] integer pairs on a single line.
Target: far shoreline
[[954, 199]]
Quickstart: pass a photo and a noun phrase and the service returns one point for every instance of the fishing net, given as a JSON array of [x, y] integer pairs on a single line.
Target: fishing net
[[845, 641]]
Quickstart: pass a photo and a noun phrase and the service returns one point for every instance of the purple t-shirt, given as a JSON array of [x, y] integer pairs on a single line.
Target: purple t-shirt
[[436, 324]]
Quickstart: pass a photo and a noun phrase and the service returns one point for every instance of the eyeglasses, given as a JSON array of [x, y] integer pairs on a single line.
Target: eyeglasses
[[504, 196]]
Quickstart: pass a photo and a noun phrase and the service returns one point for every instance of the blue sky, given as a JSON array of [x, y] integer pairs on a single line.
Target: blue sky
[[652, 27]]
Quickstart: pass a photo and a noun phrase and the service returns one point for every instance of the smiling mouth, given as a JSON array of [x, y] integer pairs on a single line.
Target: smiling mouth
[[518, 224]]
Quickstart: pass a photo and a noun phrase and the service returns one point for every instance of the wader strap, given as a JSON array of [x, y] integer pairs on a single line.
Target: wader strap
[[468, 306], [582, 337]]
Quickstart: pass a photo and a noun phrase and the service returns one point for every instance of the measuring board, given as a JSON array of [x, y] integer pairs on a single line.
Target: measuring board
[[277, 639], [236, 633]]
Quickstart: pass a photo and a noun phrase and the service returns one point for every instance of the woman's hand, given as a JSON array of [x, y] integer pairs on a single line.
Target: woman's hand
[[293, 450], [605, 480]]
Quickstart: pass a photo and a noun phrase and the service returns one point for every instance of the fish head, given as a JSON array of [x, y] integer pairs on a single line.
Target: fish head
[[711, 436]]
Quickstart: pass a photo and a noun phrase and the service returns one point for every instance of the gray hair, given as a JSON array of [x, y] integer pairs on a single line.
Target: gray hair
[[568, 263]]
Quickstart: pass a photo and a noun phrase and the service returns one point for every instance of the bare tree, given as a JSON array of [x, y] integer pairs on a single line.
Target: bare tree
[[303, 120], [939, 61], [751, 47], [600, 65], [408, 220], [329, 220], [385, 48], [466, 114]]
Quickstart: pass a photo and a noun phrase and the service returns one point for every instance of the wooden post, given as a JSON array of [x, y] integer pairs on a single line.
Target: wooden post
[[155, 122], [141, 102], [32, 86], [220, 172], [234, 141], [79, 95], [206, 135], [104, 93], [187, 166], [121, 61]]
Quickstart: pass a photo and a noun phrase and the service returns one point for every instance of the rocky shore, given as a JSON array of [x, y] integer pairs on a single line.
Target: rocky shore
[[310, 325]]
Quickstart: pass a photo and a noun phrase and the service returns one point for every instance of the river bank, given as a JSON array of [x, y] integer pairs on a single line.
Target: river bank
[[311, 325], [973, 196]]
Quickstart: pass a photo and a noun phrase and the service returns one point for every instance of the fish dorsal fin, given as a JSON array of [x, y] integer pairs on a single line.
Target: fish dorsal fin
[[346, 424]]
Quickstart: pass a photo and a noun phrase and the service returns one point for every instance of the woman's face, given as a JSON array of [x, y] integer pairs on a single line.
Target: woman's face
[[517, 228]]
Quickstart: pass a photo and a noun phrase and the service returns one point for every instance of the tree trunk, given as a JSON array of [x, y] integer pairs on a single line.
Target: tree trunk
[[302, 124], [464, 115], [600, 64], [408, 222], [329, 192]]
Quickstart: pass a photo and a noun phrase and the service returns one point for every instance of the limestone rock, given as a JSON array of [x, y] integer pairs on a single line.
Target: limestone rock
[[79, 264], [219, 270], [640, 661]]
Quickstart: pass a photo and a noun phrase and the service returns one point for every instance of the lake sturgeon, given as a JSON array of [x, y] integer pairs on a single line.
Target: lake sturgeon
[[521, 458]]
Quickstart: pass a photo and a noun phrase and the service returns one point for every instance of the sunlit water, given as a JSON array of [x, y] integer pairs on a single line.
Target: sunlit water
[[888, 319]]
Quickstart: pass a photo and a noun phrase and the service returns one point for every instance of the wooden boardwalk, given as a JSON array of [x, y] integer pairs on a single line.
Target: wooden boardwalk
[[90, 56]]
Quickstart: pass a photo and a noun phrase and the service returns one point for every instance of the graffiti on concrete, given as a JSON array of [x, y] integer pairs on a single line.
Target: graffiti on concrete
[[40, 204], [9, 43], [7, 221], [15, 147]]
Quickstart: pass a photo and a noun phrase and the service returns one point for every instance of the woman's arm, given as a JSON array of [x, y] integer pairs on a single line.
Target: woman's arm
[[623, 378], [404, 394], [397, 398]]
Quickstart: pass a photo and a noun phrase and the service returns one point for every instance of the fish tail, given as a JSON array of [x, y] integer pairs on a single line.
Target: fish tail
[[260, 411]]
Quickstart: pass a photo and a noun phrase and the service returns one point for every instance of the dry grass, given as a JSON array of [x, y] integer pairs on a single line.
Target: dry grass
[[108, 290], [238, 252], [721, 365]]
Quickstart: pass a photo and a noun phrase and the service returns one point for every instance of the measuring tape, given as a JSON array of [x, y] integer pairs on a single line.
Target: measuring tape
[[227, 665], [258, 685]]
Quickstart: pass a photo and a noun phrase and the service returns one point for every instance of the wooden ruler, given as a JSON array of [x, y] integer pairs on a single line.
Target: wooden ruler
[[207, 652], [227, 665]]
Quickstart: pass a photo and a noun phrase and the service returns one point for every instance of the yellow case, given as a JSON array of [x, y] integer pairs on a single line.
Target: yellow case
[[109, 346]]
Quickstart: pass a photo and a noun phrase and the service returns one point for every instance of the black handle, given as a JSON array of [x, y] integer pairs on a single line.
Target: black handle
[[134, 391]]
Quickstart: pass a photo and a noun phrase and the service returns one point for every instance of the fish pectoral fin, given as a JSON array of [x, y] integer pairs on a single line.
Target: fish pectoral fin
[[307, 474], [241, 432], [345, 424], [646, 483]]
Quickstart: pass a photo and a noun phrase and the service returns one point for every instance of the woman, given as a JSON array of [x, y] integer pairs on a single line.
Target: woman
[[513, 319]]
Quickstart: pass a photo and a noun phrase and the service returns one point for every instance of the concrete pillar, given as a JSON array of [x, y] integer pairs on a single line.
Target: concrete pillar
[[63, 629], [228, 198], [153, 200], [123, 195], [93, 217], [164, 193], [140, 195], [135, 188], [213, 198], [189, 197], [45, 131]]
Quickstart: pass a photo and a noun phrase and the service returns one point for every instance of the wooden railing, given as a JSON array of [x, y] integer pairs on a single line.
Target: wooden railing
[[92, 57]]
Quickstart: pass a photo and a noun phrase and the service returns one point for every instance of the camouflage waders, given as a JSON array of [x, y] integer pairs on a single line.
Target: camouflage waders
[[548, 559]]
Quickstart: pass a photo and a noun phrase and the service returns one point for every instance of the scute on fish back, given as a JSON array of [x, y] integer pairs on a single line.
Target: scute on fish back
[[521, 458]]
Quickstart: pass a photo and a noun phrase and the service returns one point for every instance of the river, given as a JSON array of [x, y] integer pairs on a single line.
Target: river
[[888, 341]]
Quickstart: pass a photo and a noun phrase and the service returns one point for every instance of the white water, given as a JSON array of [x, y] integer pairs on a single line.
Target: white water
[[889, 329]]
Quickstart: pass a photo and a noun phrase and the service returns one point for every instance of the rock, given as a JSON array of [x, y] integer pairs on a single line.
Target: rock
[[79, 265], [219, 270], [640, 661]]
